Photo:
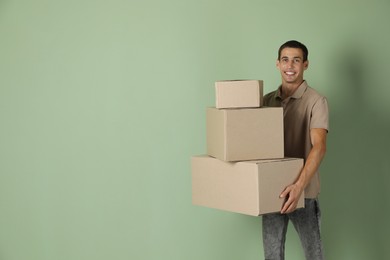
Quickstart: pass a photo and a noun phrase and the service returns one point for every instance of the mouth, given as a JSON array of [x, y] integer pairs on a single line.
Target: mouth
[[289, 73]]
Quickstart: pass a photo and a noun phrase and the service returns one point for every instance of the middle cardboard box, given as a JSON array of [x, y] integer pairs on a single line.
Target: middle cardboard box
[[242, 134]]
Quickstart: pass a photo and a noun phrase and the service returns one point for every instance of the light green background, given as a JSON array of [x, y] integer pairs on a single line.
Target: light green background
[[102, 104]]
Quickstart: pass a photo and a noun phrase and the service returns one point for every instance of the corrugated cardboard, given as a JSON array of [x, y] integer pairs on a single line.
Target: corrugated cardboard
[[238, 93], [250, 187], [245, 134]]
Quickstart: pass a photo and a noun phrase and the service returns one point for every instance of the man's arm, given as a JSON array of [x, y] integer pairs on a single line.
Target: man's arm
[[313, 161]]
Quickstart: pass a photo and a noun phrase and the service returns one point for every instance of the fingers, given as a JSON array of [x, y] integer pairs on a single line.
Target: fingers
[[290, 201], [285, 192], [291, 195], [286, 205], [289, 206]]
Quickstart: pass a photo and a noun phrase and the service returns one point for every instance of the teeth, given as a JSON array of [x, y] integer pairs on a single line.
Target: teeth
[[290, 73]]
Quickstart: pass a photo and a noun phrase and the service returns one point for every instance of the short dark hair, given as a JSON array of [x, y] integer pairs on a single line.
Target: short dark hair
[[294, 44]]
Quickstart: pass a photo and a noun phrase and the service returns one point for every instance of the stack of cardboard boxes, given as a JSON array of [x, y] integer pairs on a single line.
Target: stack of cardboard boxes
[[244, 170]]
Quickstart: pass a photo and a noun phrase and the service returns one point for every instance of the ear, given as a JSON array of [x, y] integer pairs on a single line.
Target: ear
[[277, 64], [306, 64]]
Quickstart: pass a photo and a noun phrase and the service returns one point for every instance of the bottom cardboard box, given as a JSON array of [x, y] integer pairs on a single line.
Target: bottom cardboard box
[[247, 187]]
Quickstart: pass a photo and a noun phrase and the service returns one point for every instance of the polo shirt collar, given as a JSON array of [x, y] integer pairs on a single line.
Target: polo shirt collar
[[297, 94], [300, 90]]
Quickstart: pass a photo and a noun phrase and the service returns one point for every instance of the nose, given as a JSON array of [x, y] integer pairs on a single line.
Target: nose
[[290, 64]]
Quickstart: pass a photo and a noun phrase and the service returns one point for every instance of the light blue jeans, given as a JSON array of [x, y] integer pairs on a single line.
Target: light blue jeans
[[307, 222]]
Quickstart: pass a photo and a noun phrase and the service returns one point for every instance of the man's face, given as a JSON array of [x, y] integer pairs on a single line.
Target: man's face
[[291, 65]]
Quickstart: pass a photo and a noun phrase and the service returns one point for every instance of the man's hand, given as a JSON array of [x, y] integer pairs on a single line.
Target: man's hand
[[291, 193]]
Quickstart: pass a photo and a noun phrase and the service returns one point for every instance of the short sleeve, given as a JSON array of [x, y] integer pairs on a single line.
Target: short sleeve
[[320, 114]]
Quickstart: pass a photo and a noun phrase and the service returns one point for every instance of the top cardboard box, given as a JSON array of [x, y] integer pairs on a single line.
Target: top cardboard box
[[238, 93]]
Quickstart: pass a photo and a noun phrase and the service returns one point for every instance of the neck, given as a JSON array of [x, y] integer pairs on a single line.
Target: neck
[[288, 89]]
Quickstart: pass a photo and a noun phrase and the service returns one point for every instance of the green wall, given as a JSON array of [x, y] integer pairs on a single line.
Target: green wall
[[102, 104]]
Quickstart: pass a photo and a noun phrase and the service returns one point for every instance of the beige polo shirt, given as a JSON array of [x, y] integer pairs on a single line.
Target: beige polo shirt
[[304, 110]]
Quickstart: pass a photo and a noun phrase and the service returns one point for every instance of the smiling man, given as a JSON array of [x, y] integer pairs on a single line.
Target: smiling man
[[306, 123]]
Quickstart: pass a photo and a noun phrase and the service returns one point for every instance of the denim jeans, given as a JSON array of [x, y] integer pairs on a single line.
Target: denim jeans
[[307, 223]]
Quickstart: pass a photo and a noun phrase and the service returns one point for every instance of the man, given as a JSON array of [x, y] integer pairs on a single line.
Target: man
[[305, 129]]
